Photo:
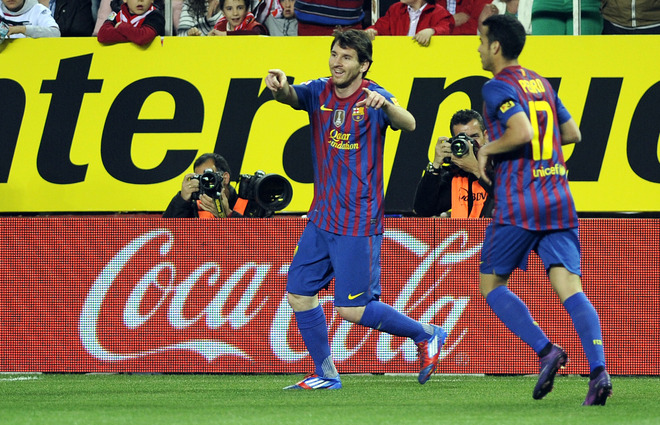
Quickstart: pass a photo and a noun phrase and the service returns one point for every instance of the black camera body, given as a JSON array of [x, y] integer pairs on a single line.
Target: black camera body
[[210, 183], [460, 147], [266, 193]]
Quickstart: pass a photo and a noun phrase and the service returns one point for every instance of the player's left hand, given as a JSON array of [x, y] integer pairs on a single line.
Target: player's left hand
[[373, 99]]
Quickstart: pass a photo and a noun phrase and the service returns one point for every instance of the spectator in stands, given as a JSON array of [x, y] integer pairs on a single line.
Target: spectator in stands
[[282, 20], [74, 17], [237, 20], [419, 19], [198, 17], [102, 12], [521, 9], [27, 18], [107, 7], [189, 202], [555, 17], [321, 17], [466, 14], [138, 21], [261, 9], [630, 16], [454, 188]]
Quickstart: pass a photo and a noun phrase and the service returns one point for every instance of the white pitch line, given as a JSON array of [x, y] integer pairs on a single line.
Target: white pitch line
[[19, 378]]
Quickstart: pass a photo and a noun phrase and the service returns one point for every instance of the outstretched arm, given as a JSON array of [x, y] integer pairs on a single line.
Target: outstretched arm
[[399, 117], [282, 91]]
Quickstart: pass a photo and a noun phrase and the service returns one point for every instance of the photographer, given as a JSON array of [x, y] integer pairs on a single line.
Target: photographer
[[191, 202], [451, 185]]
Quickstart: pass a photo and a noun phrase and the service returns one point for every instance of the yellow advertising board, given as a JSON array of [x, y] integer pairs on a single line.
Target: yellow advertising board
[[93, 128]]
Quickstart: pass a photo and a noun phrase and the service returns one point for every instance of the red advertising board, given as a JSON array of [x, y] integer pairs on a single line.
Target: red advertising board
[[157, 295]]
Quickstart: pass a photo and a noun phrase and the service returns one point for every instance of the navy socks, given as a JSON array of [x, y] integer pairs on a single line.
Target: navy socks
[[383, 317], [515, 315], [314, 331], [587, 325]]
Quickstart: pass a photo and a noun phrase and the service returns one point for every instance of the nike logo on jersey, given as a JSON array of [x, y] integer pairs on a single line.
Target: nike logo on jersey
[[323, 108], [352, 297]]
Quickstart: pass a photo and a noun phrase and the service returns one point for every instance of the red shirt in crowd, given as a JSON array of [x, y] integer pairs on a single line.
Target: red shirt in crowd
[[397, 21]]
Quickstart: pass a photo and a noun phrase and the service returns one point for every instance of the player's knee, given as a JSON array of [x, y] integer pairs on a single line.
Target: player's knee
[[484, 290], [489, 282], [351, 314], [301, 302]]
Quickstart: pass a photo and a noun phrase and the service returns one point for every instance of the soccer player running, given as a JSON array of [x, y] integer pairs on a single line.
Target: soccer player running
[[342, 239], [534, 209]]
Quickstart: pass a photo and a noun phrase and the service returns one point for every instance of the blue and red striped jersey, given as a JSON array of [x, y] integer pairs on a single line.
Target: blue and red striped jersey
[[531, 183], [347, 152]]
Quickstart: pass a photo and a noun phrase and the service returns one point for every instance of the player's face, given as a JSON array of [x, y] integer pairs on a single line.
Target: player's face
[[345, 67], [138, 7], [472, 129], [287, 8], [235, 11], [484, 51]]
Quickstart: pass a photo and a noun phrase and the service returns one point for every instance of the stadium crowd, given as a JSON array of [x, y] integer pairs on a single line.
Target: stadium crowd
[[420, 19]]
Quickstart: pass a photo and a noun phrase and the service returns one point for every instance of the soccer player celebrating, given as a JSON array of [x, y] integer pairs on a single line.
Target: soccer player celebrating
[[534, 209], [348, 116]]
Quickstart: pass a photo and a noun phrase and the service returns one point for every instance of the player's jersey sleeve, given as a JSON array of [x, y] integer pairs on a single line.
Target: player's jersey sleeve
[[308, 93], [501, 102], [562, 113]]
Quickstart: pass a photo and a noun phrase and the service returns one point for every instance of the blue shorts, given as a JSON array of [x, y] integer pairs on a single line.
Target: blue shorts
[[354, 262], [507, 247]]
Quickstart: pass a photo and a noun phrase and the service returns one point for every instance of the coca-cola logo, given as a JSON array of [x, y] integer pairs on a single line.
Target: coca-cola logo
[[233, 300]]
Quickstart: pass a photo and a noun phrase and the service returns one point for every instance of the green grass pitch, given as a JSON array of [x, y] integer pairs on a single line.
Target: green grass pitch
[[365, 399]]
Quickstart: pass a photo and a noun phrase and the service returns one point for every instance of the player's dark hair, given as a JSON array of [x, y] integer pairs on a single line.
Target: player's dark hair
[[220, 162], [356, 40], [464, 117], [509, 32]]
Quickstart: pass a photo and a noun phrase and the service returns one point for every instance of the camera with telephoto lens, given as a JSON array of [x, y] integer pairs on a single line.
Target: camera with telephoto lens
[[460, 147], [210, 183], [266, 193]]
